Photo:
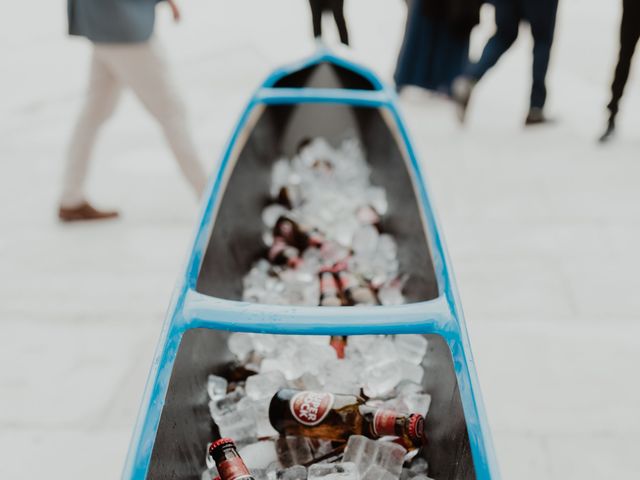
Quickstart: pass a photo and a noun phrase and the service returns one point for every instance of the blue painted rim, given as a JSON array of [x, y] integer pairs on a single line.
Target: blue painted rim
[[190, 309]]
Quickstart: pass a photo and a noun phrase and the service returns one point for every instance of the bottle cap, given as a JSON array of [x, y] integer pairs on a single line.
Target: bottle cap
[[416, 427], [219, 443]]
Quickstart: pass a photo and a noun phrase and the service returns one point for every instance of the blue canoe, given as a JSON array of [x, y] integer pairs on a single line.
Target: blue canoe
[[330, 97]]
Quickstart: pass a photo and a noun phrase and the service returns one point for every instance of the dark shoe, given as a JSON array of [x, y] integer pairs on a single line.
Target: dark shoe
[[536, 117], [461, 93], [608, 134], [84, 212]]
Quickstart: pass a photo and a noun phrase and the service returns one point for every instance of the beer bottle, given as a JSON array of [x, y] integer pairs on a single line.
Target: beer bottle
[[228, 461], [329, 292], [282, 254], [296, 235], [354, 292], [337, 417], [338, 342]]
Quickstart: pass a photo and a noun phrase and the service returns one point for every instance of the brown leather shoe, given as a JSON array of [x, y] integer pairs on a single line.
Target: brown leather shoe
[[84, 212]]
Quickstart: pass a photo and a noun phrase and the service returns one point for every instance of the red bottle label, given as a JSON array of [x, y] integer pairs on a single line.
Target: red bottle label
[[384, 423], [233, 469], [311, 408]]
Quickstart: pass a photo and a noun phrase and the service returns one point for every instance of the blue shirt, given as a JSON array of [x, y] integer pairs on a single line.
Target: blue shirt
[[112, 21]]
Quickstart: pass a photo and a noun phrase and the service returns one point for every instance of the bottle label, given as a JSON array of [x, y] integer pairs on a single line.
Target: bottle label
[[328, 284], [384, 423], [233, 469], [311, 408]]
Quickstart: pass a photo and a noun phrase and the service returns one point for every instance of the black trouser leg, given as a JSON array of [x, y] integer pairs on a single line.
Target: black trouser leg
[[541, 15], [629, 34], [316, 16], [337, 7], [508, 17]]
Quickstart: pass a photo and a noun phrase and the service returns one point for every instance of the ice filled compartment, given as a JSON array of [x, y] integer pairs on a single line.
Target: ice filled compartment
[[338, 173], [371, 407]]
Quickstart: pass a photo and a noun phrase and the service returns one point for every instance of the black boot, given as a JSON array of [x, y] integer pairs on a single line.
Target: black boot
[[611, 129]]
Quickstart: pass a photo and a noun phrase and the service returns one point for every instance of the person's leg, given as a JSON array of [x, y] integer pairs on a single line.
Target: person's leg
[[508, 16], [629, 34], [143, 68], [337, 7], [541, 15], [316, 17], [102, 98]]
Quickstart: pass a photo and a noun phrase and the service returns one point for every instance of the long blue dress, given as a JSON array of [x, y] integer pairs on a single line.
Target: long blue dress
[[433, 54]]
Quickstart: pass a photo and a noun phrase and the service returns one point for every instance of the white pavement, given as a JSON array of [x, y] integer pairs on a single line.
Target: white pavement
[[543, 227]]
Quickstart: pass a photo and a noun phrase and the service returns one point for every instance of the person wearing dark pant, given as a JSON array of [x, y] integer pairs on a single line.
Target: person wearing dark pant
[[629, 35], [318, 7], [541, 16]]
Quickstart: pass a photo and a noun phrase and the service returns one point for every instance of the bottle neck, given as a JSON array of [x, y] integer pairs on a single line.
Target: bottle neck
[[384, 423], [230, 465]]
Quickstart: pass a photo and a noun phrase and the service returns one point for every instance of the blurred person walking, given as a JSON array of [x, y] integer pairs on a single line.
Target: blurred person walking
[[629, 35], [541, 16], [435, 49], [124, 55], [318, 7]]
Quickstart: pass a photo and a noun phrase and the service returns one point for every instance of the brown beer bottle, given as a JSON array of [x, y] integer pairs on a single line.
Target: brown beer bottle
[[337, 417], [228, 462], [329, 292], [296, 235], [282, 254], [354, 292]]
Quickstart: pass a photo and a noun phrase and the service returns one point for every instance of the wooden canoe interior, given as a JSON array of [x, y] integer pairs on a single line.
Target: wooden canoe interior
[[186, 427]]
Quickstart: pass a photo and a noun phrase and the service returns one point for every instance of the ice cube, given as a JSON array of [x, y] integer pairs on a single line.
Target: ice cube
[[418, 403], [411, 371], [259, 455], [293, 450], [341, 376], [239, 425], [216, 386], [263, 424], [390, 456], [265, 343], [365, 240], [265, 385], [241, 345], [333, 471], [308, 381], [226, 404], [295, 472], [419, 466], [411, 348], [379, 380], [361, 451], [391, 294], [375, 472]]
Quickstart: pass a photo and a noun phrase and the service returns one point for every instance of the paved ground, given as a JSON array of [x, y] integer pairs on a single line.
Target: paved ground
[[543, 227]]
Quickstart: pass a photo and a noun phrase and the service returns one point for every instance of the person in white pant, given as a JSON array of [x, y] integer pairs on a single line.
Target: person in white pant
[[124, 56]]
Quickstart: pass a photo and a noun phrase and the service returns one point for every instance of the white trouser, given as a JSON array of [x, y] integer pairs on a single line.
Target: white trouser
[[142, 67]]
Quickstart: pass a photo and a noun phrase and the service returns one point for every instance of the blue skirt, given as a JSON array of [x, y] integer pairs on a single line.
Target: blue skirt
[[432, 55]]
